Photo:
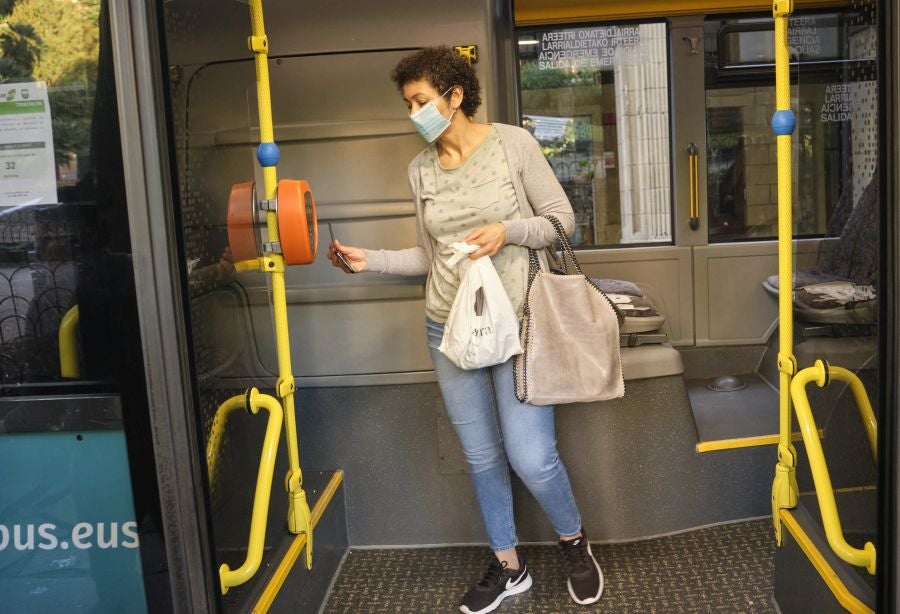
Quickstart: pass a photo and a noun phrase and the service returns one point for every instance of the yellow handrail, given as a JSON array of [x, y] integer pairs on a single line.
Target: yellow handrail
[[784, 486], [247, 265], [254, 401], [69, 367], [821, 374], [866, 414], [216, 434]]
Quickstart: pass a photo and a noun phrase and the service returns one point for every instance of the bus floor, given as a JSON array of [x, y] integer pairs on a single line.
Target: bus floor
[[723, 568]]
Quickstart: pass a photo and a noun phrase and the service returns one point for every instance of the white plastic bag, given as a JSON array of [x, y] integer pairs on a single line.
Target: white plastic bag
[[482, 328]]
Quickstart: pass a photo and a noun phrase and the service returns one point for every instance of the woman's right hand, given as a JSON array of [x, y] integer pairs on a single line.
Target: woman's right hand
[[355, 257]]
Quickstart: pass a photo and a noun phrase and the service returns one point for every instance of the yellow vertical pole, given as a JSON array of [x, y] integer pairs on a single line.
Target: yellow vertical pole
[[298, 509], [784, 486]]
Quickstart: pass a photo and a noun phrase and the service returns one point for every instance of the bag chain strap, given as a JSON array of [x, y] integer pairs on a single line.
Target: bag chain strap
[[534, 266], [564, 241]]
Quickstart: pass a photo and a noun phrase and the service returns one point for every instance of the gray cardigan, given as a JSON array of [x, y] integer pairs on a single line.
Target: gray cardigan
[[537, 191]]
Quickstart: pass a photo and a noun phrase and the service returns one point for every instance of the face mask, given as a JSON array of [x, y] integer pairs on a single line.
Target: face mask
[[430, 122]]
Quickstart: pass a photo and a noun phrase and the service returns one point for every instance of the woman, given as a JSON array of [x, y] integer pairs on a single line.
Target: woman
[[486, 184]]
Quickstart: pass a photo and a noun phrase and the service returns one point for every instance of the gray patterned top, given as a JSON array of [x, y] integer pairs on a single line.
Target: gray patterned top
[[456, 202]]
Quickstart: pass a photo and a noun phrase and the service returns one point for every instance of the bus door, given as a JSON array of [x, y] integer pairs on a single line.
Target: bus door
[[80, 518], [659, 132]]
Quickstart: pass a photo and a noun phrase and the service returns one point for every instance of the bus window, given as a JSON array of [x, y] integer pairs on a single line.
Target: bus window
[[835, 142], [596, 99]]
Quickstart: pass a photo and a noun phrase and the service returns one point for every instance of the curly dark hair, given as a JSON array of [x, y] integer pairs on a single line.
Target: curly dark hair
[[443, 68]]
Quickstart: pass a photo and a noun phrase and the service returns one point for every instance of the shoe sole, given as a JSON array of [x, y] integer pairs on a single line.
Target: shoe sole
[[599, 594], [521, 587]]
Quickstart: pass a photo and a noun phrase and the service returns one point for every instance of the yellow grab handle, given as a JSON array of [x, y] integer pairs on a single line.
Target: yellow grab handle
[[820, 373], [68, 344], [227, 576], [694, 181]]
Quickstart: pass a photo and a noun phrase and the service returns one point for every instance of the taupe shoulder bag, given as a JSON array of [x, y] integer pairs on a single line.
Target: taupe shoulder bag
[[570, 334]]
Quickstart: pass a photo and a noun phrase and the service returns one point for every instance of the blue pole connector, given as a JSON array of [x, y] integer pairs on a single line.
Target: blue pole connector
[[267, 154], [783, 122]]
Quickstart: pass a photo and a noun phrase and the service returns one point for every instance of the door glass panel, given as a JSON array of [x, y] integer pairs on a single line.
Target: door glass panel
[[73, 403], [834, 92], [596, 99]]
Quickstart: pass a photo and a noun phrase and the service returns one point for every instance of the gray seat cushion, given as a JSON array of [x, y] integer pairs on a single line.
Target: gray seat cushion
[[641, 316], [841, 289]]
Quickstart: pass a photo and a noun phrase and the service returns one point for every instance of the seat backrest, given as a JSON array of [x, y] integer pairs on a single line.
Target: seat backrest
[[855, 253]]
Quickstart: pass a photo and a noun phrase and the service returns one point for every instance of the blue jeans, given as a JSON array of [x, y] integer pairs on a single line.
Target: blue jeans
[[497, 431]]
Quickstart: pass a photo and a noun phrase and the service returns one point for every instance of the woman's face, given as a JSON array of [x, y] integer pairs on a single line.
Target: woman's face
[[417, 94]]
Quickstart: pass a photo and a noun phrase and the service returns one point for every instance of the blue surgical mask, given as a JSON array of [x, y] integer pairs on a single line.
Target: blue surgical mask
[[430, 122]]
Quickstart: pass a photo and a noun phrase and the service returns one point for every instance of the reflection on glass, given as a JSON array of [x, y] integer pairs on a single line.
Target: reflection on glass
[[835, 142], [596, 99], [48, 76]]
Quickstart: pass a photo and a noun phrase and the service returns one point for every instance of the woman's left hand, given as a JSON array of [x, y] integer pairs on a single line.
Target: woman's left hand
[[489, 239]]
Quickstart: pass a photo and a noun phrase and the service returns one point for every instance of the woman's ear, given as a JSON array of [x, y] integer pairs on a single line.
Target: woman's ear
[[456, 97]]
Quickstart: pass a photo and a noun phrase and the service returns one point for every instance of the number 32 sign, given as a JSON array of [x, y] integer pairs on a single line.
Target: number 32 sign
[[27, 167]]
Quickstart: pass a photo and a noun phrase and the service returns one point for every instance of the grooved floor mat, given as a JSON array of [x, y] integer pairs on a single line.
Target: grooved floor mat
[[727, 568]]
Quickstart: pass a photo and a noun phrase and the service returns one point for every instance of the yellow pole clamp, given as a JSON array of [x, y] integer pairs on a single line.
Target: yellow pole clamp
[[787, 364], [258, 44], [285, 386], [782, 8]]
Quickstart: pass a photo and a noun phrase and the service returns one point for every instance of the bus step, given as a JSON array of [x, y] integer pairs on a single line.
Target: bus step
[[727, 419], [835, 586]]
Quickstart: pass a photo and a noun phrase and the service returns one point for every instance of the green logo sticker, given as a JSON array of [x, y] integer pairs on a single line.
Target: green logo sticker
[[11, 94]]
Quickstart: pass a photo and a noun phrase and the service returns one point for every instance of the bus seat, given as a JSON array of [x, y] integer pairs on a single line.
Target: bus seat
[[644, 348], [641, 316], [841, 289]]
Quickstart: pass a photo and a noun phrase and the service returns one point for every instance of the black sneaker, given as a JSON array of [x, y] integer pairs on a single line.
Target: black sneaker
[[497, 584], [585, 578]]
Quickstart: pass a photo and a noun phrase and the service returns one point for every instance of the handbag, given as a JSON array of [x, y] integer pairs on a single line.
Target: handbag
[[570, 334]]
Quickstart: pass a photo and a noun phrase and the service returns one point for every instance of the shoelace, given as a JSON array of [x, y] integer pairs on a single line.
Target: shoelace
[[576, 555], [492, 575]]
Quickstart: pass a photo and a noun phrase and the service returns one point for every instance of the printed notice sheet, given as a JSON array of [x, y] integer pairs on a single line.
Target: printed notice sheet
[[27, 167]]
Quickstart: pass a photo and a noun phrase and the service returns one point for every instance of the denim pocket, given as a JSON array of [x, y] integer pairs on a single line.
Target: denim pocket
[[435, 333]]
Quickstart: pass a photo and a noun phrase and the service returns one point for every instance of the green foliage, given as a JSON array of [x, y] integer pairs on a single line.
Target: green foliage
[[6, 8], [20, 46], [533, 78], [57, 42], [72, 107], [565, 145], [69, 38]]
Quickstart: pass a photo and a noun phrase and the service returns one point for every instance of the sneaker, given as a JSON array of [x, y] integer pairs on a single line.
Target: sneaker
[[585, 577], [497, 584]]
